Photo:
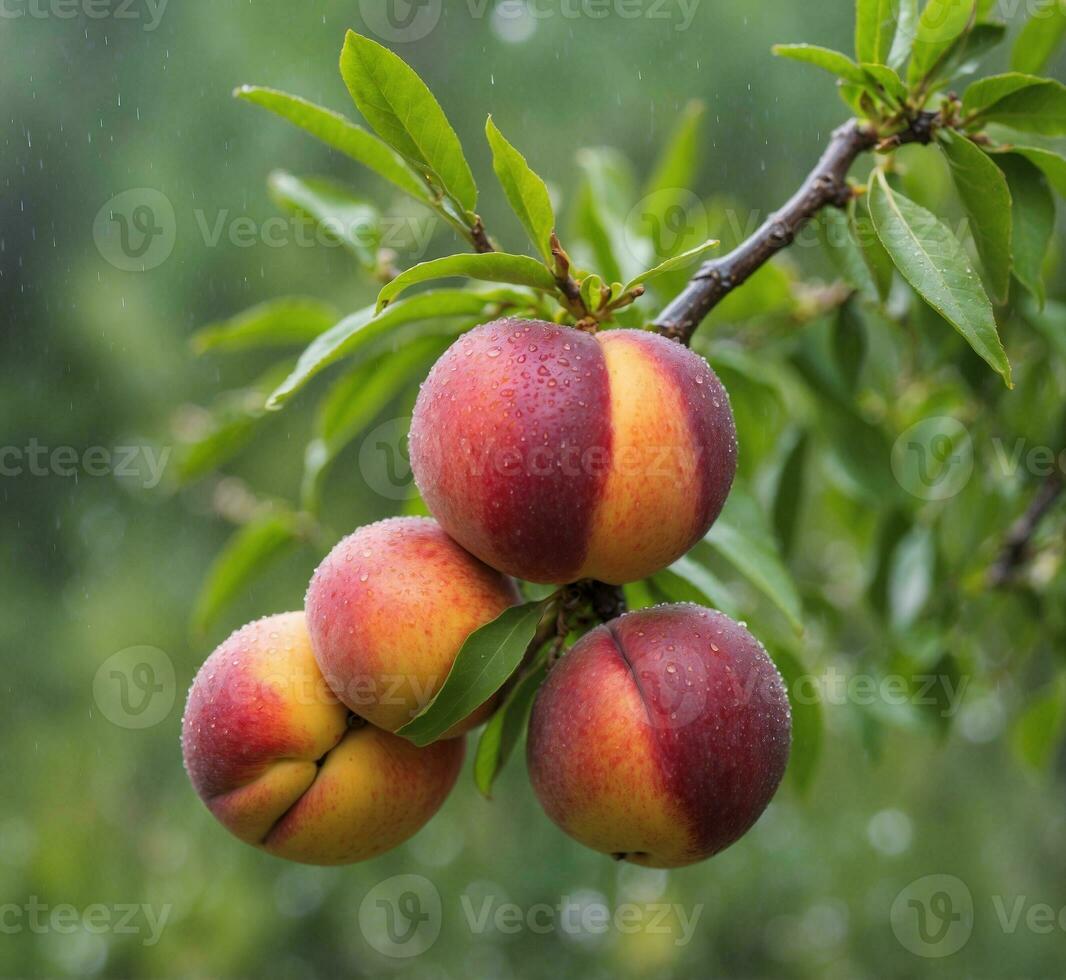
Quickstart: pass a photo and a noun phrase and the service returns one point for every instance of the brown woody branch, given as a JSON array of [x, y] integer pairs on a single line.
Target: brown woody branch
[[826, 185], [1016, 547]]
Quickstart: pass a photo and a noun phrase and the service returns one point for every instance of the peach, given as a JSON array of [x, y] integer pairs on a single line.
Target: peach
[[388, 610], [555, 455], [278, 760], [661, 736]]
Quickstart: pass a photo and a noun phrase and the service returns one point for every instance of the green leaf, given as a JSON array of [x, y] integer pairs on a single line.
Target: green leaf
[[230, 426], [986, 198], [365, 325], [340, 133], [487, 659], [346, 218], [880, 263], [807, 725], [245, 555], [940, 27], [404, 113], [676, 262], [520, 270], [838, 238], [505, 728], [848, 344], [1053, 165], [1022, 102], [285, 322], [933, 261], [968, 52], [911, 576], [675, 169], [886, 83], [603, 203], [743, 537], [526, 192], [986, 92], [788, 495], [1038, 732], [1039, 39], [907, 29], [1034, 221], [833, 62], [353, 402], [875, 27]]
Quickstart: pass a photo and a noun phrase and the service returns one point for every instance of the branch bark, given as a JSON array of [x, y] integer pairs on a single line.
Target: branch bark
[[1015, 549], [825, 186]]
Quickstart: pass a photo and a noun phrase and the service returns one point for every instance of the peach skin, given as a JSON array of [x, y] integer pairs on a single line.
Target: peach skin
[[388, 610], [661, 736], [278, 761], [554, 455]]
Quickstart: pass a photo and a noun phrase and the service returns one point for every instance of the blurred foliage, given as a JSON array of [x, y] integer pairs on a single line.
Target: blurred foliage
[[960, 775]]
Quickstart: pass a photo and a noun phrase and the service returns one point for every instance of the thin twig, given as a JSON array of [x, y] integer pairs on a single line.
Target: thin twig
[[826, 185], [1016, 546]]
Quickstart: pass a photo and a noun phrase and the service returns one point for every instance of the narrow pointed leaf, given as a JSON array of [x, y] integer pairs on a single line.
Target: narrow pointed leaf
[[676, 167], [1053, 165], [1021, 102], [676, 262], [343, 216], [340, 133], [487, 659], [986, 198], [244, 557], [355, 400], [934, 262], [1039, 39], [834, 62], [742, 535], [405, 114], [526, 192], [285, 322], [875, 27], [1034, 221], [941, 26], [519, 270], [505, 729], [363, 326]]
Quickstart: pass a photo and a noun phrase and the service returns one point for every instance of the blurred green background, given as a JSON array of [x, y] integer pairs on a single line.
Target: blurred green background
[[96, 813]]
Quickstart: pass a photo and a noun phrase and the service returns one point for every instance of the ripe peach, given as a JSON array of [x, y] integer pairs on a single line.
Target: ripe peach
[[554, 455], [389, 609], [274, 756], [661, 736]]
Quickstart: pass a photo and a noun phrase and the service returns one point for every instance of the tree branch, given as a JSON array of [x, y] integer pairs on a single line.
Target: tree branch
[[826, 185], [1015, 549]]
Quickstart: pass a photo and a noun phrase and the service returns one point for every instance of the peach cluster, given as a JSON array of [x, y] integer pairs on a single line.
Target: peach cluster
[[551, 455], [288, 732]]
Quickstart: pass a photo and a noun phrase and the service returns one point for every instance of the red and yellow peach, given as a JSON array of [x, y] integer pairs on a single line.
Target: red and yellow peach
[[388, 610], [277, 758], [554, 455], [661, 736]]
